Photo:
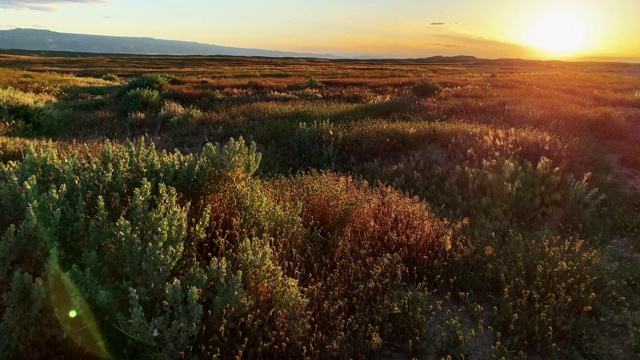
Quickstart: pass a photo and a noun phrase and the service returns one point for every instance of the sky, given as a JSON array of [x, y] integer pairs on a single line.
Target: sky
[[401, 28]]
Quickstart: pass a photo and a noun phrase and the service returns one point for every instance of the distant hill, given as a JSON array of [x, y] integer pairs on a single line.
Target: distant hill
[[34, 39], [51, 43]]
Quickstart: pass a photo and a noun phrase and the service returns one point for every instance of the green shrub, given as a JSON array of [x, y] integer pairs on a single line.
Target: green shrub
[[313, 83], [29, 114], [254, 84], [148, 82], [117, 255], [177, 115], [426, 89], [191, 115], [547, 287], [436, 326], [313, 144], [497, 179], [582, 203], [140, 100]]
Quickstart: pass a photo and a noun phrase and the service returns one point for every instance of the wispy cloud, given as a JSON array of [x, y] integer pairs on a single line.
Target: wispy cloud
[[42, 5], [450, 45], [438, 23]]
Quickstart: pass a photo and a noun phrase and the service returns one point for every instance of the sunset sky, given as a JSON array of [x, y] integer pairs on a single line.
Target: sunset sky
[[407, 28]]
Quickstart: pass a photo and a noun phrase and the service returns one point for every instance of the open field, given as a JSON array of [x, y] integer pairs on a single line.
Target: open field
[[217, 207]]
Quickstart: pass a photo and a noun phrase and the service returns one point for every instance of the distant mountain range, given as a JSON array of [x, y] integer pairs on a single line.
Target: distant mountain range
[[35, 39]]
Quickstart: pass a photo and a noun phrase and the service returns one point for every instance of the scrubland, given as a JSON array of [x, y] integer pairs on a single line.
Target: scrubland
[[203, 207]]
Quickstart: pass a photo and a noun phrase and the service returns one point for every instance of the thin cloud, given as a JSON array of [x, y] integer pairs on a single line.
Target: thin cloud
[[42, 5], [450, 45], [438, 23]]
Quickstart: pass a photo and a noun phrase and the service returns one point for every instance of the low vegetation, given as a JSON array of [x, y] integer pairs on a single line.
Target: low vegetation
[[255, 208]]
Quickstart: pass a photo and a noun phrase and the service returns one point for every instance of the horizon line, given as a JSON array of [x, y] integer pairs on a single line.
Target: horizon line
[[318, 55]]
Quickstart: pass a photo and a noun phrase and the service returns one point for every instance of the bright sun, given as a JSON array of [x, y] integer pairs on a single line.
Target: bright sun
[[559, 34]]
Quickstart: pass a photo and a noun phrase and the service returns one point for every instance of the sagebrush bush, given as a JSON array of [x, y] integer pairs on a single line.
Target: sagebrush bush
[[426, 88], [607, 123], [140, 100], [120, 233], [362, 246], [148, 82], [501, 180], [547, 286], [177, 115], [313, 83]]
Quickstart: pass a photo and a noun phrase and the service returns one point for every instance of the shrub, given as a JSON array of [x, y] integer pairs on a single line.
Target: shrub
[[148, 82], [313, 83], [192, 113], [254, 84], [547, 287], [140, 100], [426, 89], [501, 180], [435, 326], [363, 246], [110, 77], [313, 144], [177, 115], [216, 96], [171, 109], [607, 123], [116, 255], [29, 114]]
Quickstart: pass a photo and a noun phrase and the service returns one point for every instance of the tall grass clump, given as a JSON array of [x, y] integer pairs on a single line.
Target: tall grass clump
[[313, 144]]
